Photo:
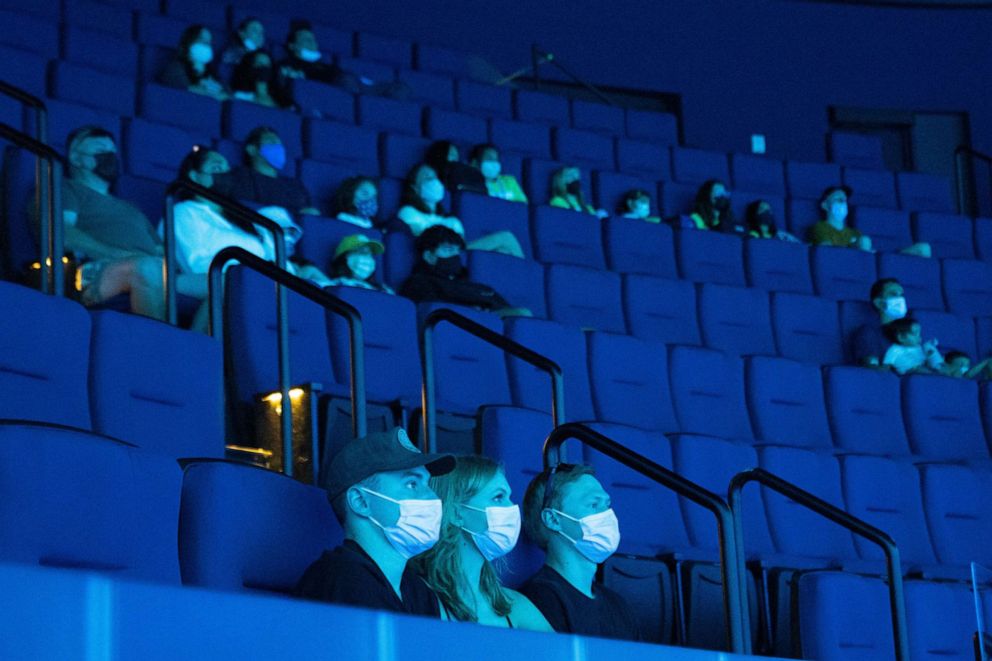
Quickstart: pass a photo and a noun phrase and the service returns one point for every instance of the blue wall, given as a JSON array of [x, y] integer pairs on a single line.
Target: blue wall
[[742, 66]]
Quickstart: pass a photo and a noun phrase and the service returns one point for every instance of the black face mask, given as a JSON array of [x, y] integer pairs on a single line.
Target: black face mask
[[448, 266], [766, 219], [721, 203], [107, 167], [261, 75], [574, 188]]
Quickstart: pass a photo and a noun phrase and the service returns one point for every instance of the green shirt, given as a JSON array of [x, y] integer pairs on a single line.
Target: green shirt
[[825, 234], [566, 203], [506, 188]]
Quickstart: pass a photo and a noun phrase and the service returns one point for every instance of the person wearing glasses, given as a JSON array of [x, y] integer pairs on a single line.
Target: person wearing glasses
[[567, 513]]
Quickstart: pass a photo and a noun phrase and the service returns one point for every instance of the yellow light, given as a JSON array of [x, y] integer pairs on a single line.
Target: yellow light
[[276, 397]]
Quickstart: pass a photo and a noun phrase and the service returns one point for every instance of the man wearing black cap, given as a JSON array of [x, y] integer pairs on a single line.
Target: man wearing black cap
[[378, 487], [833, 230]]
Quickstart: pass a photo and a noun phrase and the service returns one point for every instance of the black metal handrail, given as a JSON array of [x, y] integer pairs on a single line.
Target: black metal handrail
[[333, 304], [962, 152], [40, 110], [231, 206], [735, 608], [841, 518], [48, 202], [489, 336]]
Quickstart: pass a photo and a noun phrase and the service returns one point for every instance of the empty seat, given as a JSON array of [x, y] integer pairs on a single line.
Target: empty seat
[[44, 358], [951, 331], [660, 309], [115, 21], [889, 229], [318, 99], [735, 319], [377, 112], [484, 100], [710, 257], [342, 144], [630, 382], [525, 138], [844, 617], [942, 419], [152, 60], [634, 246], [919, 277], [955, 498], [563, 236], [924, 192], [322, 180], [246, 528], [156, 386], [192, 12], [566, 345], [694, 166], [429, 88], [154, 150], [983, 238], [809, 180], [198, 114], [153, 29], [949, 635], [856, 149], [758, 174], [643, 159], [461, 128], [842, 273], [967, 287], [585, 297], [948, 235], [785, 399], [585, 149], [678, 199], [807, 328], [599, 117], [778, 265], [704, 381], [611, 187], [802, 215], [483, 214], [379, 48], [73, 82], [514, 437], [367, 70], [443, 60], [874, 188], [542, 108], [32, 33], [399, 153], [100, 51], [519, 281], [240, 119], [658, 127]]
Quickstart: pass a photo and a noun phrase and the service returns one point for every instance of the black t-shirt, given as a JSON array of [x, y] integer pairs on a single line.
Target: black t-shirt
[[246, 184], [348, 576], [426, 285], [570, 611]]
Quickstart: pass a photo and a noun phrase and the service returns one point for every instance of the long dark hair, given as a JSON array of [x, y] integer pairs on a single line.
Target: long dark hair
[[243, 79], [436, 156], [193, 162], [187, 39], [704, 207], [410, 197], [753, 222], [344, 196]]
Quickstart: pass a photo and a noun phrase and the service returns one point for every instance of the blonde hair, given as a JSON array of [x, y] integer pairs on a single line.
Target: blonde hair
[[441, 566]]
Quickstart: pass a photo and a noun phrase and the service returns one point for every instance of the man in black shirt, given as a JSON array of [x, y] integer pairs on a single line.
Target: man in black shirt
[[378, 487], [567, 513]]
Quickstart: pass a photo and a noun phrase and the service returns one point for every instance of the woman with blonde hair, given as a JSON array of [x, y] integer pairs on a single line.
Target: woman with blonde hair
[[479, 525], [566, 192]]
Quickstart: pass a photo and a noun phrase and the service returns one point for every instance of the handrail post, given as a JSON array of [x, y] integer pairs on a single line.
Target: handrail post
[[429, 392], [57, 248], [169, 248]]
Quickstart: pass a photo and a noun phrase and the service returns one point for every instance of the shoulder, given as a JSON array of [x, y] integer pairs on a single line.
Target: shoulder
[[558, 201], [354, 220], [409, 214], [524, 614]]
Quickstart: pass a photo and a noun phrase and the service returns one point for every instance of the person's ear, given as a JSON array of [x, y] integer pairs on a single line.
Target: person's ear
[[550, 519], [429, 257], [76, 159], [251, 150], [357, 502]]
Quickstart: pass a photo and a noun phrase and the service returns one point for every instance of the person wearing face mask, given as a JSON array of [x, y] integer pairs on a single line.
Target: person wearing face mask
[[354, 264], [421, 209], [567, 513], [566, 192], [498, 184], [378, 487], [834, 229], [192, 67], [636, 204], [258, 180], [440, 276], [712, 210], [480, 524], [870, 342], [356, 201], [252, 79], [249, 37], [761, 224]]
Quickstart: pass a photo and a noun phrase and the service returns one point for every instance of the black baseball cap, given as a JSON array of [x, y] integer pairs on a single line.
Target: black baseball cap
[[829, 190], [379, 453]]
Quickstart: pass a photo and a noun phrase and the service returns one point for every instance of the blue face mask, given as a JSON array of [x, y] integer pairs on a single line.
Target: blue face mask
[[274, 155], [367, 208]]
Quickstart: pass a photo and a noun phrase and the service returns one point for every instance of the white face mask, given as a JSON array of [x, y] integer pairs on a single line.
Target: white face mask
[[249, 45], [600, 535], [418, 527], [838, 211], [490, 169], [895, 307], [432, 191], [201, 53], [308, 55], [361, 266], [502, 531]]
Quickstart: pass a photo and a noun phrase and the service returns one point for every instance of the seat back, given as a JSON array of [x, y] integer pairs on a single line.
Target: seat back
[[704, 381], [785, 399], [807, 328], [865, 410]]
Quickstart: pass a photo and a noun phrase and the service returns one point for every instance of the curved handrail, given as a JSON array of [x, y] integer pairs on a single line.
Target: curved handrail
[[40, 109], [841, 518], [735, 606], [283, 278], [233, 207], [501, 342], [49, 206]]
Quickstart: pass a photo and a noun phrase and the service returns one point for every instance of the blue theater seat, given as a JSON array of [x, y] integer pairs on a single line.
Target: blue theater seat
[[323, 101], [153, 29], [967, 287], [951, 331], [563, 236], [842, 273], [955, 499], [399, 153], [983, 238], [710, 257], [100, 51], [599, 117], [384, 114], [31, 33], [940, 620], [919, 277], [429, 88], [736, 320], [147, 194], [44, 357], [856, 150], [611, 187], [322, 180], [461, 128], [566, 345], [807, 328], [379, 72], [630, 382], [584, 297], [76, 500], [808, 180], [694, 166], [634, 246], [190, 11], [844, 617], [379, 48], [853, 315], [484, 100], [198, 114], [342, 144], [152, 60], [241, 118], [246, 528], [764, 176], [889, 229], [873, 188], [661, 309], [704, 381], [445, 61], [948, 235], [110, 20], [584, 149], [785, 399], [924, 192], [519, 281], [678, 199], [983, 326], [156, 386], [482, 214], [524, 138], [643, 159], [75, 83], [778, 266], [537, 180], [331, 39], [942, 418], [541, 108], [657, 127], [802, 215], [865, 411], [65, 117], [154, 151]]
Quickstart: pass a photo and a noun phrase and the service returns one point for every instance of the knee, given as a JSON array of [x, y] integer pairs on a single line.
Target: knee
[[148, 272]]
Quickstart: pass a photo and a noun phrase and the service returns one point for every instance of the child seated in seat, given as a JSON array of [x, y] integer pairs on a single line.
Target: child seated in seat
[[959, 366], [909, 354]]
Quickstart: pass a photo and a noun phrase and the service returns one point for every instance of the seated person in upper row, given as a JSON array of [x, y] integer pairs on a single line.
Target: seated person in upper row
[[253, 80], [909, 354], [761, 224], [248, 38], [566, 192], [356, 201], [869, 341], [712, 209], [421, 209], [636, 204], [258, 180], [498, 184], [440, 276], [191, 68], [354, 264], [834, 229]]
